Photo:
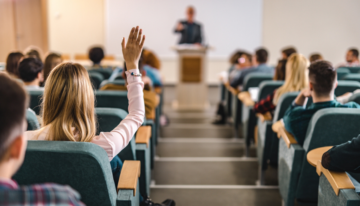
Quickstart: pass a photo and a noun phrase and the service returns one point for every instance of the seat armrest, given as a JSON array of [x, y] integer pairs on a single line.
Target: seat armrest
[[158, 90], [338, 180], [264, 117], [288, 138], [245, 97], [143, 135], [277, 125], [129, 176], [231, 89]]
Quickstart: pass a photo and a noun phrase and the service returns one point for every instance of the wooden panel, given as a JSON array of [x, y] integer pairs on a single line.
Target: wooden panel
[[191, 69], [7, 29], [129, 176], [30, 18], [143, 135]]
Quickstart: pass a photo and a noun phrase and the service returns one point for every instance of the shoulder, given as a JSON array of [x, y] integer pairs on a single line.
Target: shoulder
[[350, 105]]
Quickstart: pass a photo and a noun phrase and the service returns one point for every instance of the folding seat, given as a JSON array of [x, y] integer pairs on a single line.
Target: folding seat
[[105, 72], [140, 148], [353, 69], [297, 178], [268, 143], [341, 72], [84, 167], [32, 121], [112, 99], [346, 86], [352, 77], [242, 112], [96, 79], [35, 100]]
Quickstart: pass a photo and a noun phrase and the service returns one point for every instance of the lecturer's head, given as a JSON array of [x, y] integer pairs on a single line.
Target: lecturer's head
[[190, 13]]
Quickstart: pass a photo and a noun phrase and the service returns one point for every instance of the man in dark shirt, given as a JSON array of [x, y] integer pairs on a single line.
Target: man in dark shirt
[[322, 84], [189, 30], [13, 105]]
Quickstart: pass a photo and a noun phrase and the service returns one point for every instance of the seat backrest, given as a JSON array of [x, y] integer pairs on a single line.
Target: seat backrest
[[116, 82], [254, 80], [352, 77], [32, 121], [108, 119], [35, 100], [112, 99], [353, 69], [83, 166], [330, 126], [341, 72], [119, 76], [105, 72], [96, 79], [267, 87], [346, 86], [284, 102]]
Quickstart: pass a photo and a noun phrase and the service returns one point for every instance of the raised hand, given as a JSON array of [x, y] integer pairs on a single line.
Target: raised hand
[[133, 48]]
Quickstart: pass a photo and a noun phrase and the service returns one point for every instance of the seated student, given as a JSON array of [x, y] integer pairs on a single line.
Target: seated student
[[280, 68], [314, 57], [14, 102], [296, 79], [12, 63], [287, 52], [153, 74], [352, 58], [322, 84], [242, 63], [261, 57], [151, 59], [33, 51], [31, 73], [51, 61], [96, 54]]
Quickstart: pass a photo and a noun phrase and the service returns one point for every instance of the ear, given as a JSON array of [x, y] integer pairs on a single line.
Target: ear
[[336, 83], [40, 76], [16, 148], [311, 87]]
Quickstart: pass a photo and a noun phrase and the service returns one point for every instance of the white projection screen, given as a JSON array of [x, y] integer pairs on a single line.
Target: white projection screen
[[227, 24]]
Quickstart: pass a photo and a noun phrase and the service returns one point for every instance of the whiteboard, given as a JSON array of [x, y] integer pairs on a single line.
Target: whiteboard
[[227, 25]]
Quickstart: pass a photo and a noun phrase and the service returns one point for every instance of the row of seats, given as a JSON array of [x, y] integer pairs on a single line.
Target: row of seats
[[95, 184], [297, 178]]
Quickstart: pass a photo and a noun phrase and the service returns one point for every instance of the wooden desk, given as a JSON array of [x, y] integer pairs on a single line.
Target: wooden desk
[[245, 97], [337, 180]]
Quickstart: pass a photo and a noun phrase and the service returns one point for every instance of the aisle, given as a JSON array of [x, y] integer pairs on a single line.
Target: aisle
[[199, 163]]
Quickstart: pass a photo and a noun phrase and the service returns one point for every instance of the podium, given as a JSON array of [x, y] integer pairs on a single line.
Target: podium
[[192, 89]]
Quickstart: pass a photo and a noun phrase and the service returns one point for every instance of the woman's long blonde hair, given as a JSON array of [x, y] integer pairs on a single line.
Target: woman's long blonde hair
[[296, 77], [68, 104]]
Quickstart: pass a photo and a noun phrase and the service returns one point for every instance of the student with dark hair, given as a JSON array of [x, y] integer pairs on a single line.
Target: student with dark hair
[[13, 105], [322, 84], [31, 72], [287, 52], [51, 61], [261, 58], [96, 54], [314, 57], [352, 58], [12, 63]]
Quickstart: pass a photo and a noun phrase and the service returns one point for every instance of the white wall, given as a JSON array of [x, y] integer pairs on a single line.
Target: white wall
[[74, 26], [326, 26]]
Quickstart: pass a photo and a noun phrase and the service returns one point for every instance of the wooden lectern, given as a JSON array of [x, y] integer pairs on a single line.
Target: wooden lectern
[[192, 90]]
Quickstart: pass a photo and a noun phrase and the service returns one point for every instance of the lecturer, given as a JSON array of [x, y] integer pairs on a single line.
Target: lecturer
[[190, 31]]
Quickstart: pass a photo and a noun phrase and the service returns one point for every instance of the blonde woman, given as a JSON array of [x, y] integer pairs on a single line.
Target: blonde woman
[[296, 79], [68, 105]]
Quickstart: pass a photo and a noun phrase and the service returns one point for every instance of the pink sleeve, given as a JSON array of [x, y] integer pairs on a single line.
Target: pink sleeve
[[115, 141]]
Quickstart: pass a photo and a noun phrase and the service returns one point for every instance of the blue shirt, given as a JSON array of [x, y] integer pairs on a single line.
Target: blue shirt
[[153, 74]]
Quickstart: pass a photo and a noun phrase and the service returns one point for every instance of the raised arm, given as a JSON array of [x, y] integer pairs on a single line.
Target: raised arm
[[122, 134]]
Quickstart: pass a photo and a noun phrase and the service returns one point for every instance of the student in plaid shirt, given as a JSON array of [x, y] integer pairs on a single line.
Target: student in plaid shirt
[[13, 105]]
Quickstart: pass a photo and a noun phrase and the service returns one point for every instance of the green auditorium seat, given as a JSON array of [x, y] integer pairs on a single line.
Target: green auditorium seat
[[341, 72], [106, 72], [35, 100], [112, 99], [297, 178], [108, 119], [352, 77], [353, 69], [346, 86], [96, 79], [265, 88], [328, 197], [81, 165], [241, 112], [32, 121], [355, 98], [116, 82], [119, 76], [268, 143]]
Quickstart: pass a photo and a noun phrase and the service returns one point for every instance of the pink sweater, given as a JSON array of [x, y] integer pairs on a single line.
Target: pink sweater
[[116, 140]]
